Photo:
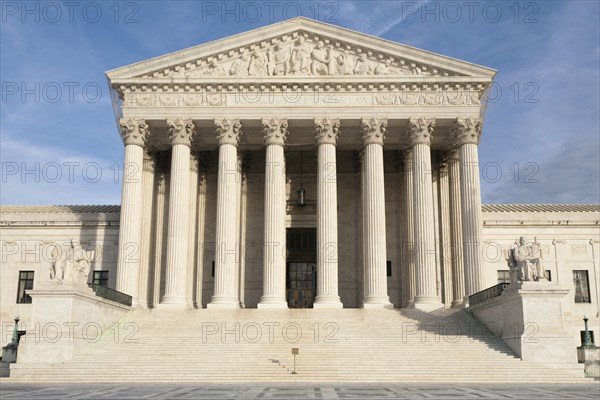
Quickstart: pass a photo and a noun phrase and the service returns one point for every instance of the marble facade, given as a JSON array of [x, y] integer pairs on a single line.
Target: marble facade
[[388, 136]]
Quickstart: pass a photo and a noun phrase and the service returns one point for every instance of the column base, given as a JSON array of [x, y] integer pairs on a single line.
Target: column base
[[377, 302], [173, 302], [375, 306], [427, 303], [272, 303], [322, 306], [223, 303], [328, 302], [457, 304]]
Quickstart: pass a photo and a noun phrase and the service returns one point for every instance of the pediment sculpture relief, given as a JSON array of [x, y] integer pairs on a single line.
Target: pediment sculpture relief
[[301, 56]]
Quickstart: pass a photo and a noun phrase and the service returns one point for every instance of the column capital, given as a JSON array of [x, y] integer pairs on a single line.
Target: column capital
[[181, 131], [373, 130], [134, 131], [228, 131], [275, 130], [467, 130], [452, 155], [327, 130], [420, 131]]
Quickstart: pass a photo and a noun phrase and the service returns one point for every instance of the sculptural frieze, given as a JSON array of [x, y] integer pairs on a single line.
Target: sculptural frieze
[[300, 56]]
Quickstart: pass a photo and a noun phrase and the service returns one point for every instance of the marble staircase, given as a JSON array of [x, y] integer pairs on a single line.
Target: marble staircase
[[348, 345]]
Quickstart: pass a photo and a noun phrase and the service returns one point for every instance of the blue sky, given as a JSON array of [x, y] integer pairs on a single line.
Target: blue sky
[[541, 139]]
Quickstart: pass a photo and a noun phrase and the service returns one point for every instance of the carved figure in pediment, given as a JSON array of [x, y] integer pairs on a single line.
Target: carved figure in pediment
[[342, 64], [240, 66], [416, 69], [279, 60], [363, 67], [258, 64], [300, 58], [214, 69], [321, 57], [383, 68]]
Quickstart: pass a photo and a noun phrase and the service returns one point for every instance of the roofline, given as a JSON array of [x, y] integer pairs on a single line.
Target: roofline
[[293, 23]]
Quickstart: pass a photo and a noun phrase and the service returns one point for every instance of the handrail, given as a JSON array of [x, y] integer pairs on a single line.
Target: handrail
[[110, 294], [487, 294]]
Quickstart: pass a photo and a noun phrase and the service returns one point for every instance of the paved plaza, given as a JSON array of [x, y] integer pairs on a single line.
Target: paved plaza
[[291, 392]]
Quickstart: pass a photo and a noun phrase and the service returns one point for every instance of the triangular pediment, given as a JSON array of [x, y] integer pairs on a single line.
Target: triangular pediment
[[299, 48]]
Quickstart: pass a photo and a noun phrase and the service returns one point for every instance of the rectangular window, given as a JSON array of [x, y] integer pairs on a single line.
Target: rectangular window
[[389, 268], [25, 283], [582, 286], [549, 275], [101, 278], [503, 276], [213, 270]]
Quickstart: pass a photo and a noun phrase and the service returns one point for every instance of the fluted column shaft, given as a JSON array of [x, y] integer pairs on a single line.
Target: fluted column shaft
[[145, 279], [374, 230], [199, 275], [274, 233], [134, 134], [327, 131], [467, 133], [274, 260], [409, 225], [242, 224], [159, 222], [180, 133], [458, 274], [226, 254], [193, 229], [420, 131], [445, 236]]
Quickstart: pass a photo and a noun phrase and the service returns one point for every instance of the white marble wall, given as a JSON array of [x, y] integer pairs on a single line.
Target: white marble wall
[[565, 239], [27, 241]]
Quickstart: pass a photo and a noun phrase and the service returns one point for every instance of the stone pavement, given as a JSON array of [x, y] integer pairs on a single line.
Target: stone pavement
[[294, 392]]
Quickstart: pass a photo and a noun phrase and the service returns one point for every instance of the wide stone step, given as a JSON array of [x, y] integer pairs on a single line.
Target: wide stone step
[[370, 346]]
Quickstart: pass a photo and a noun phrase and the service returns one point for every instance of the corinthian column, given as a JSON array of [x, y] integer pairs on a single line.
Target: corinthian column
[[275, 132], [326, 132], [228, 133], [419, 134], [134, 133], [408, 250], [458, 273], [445, 239], [180, 134], [467, 133], [375, 274], [145, 278]]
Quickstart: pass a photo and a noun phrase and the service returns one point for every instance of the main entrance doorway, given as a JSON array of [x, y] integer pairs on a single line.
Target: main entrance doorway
[[301, 276]]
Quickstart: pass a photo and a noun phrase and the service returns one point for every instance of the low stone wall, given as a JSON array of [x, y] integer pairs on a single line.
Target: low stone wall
[[66, 319], [528, 317]]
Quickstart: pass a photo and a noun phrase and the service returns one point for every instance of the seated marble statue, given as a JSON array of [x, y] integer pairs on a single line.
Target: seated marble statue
[[72, 265], [525, 261]]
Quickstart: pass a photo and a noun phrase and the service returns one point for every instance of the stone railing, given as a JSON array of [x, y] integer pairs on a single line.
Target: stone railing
[[487, 294], [111, 294]]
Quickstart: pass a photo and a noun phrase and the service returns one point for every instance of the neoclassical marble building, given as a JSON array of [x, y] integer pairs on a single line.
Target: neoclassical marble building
[[361, 111], [302, 165]]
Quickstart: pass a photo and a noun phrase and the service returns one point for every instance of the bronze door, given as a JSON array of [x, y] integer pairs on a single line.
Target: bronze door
[[301, 276]]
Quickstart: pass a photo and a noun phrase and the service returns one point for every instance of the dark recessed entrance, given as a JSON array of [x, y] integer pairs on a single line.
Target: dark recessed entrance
[[301, 276]]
